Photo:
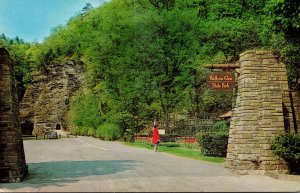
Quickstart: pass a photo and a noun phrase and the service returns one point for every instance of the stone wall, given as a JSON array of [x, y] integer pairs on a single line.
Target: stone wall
[[296, 106], [46, 101], [262, 111], [13, 166]]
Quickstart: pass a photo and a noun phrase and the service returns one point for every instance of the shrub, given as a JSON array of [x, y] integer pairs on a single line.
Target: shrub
[[213, 143], [84, 110], [128, 136], [98, 133], [75, 130], [287, 146], [221, 126], [109, 131], [199, 136], [167, 138], [80, 130], [90, 131]]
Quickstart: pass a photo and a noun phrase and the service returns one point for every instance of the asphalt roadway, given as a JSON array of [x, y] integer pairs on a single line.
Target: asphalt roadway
[[86, 164]]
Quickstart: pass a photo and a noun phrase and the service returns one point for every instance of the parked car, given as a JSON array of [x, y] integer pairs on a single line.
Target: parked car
[[52, 135]]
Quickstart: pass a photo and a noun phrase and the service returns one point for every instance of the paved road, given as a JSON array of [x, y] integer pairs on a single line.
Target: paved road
[[90, 165]]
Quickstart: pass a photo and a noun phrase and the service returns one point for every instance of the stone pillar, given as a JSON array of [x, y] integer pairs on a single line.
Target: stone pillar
[[296, 106], [13, 166], [262, 111]]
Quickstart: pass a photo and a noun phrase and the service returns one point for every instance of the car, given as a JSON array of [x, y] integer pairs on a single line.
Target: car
[[52, 135]]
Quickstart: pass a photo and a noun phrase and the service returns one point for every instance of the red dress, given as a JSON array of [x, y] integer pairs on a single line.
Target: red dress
[[155, 136]]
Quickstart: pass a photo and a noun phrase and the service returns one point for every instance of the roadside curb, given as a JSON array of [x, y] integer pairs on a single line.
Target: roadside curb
[[283, 176]]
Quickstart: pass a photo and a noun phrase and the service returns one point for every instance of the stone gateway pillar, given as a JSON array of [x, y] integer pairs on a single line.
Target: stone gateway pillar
[[261, 112], [13, 166]]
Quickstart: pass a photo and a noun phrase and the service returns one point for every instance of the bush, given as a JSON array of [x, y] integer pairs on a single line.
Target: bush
[[168, 138], [109, 131], [84, 110], [90, 131], [287, 146], [128, 136], [75, 130], [221, 126], [213, 143], [80, 130]]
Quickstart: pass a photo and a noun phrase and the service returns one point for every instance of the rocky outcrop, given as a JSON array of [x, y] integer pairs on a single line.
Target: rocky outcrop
[[46, 100]]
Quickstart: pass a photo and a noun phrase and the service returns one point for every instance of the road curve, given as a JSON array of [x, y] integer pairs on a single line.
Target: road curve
[[86, 164]]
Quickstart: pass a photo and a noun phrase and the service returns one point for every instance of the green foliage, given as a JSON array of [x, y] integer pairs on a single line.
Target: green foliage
[[80, 130], [128, 136], [17, 49], [168, 138], [144, 58], [221, 126], [283, 23], [161, 60], [214, 101], [108, 131], [287, 146], [90, 131], [169, 144], [213, 143], [84, 110], [285, 17], [189, 145]]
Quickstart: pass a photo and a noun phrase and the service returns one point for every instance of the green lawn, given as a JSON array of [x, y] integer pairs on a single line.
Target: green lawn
[[178, 151]]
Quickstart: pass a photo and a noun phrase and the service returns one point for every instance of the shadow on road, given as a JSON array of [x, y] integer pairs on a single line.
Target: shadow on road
[[60, 172]]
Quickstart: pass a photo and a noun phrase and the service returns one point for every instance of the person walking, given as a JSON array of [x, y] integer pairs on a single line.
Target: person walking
[[155, 138]]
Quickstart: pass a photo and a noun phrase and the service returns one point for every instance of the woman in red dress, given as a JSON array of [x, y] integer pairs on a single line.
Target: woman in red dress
[[155, 138]]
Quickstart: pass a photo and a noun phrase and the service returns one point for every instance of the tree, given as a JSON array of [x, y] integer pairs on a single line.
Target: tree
[[17, 49], [285, 14], [284, 29], [144, 58], [86, 8]]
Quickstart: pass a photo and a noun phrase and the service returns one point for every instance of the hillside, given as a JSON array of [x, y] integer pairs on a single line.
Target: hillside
[[144, 58]]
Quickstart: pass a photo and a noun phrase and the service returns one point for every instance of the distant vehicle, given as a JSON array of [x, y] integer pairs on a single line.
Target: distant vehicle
[[52, 135]]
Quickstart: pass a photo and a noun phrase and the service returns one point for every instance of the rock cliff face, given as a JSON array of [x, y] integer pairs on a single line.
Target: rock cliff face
[[46, 100]]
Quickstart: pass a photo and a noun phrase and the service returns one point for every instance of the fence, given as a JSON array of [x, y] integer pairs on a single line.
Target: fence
[[189, 126]]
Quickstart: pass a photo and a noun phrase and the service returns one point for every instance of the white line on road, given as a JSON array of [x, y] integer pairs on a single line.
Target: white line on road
[[92, 145]]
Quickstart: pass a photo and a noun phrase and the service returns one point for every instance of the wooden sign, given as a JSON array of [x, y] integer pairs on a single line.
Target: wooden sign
[[221, 81]]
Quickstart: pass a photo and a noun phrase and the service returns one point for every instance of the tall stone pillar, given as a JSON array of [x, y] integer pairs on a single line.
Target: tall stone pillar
[[13, 166], [262, 111], [296, 105]]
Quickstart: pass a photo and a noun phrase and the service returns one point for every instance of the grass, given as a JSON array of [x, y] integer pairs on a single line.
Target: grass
[[178, 151]]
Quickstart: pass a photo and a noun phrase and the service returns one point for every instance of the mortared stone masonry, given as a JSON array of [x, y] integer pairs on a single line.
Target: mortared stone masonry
[[13, 166], [261, 112]]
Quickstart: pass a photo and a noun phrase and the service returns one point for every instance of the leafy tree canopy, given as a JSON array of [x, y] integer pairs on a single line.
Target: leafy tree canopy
[[145, 58]]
